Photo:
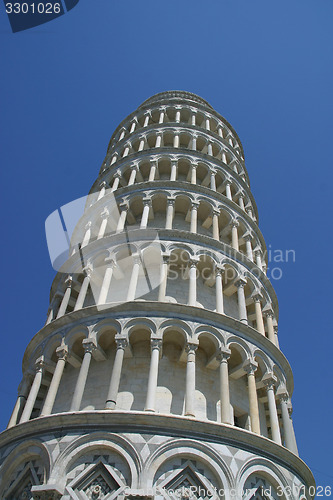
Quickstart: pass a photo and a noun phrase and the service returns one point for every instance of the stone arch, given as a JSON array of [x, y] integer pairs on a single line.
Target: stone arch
[[176, 448], [26, 451], [105, 332], [264, 362], [214, 332], [106, 442], [75, 335], [265, 468], [49, 351], [134, 324], [177, 325]]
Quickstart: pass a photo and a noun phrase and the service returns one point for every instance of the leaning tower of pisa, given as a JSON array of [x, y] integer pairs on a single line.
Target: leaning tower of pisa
[[158, 373]]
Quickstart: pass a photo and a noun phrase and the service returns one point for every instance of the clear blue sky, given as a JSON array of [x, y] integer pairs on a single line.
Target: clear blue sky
[[265, 65]]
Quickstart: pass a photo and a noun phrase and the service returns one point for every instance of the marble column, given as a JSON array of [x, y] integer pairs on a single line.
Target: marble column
[[89, 347], [169, 213], [224, 157], [152, 172], [54, 307], [145, 213], [213, 180], [66, 297], [273, 416], [250, 369], [176, 140], [242, 313], [192, 295], [194, 173], [84, 288], [122, 218], [241, 202], [133, 126], [142, 143], [111, 401], [62, 352], [270, 327], [146, 122], [34, 390], [132, 177], [219, 289], [223, 356], [156, 345], [194, 217], [23, 391], [288, 429], [173, 173], [134, 278], [103, 295], [102, 190], [104, 216], [194, 142], [210, 149], [126, 150], [163, 278], [161, 117], [248, 245], [228, 190], [257, 254], [87, 234], [234, 234], [190, 380], [158, 142], [215, 224], [259, 320]]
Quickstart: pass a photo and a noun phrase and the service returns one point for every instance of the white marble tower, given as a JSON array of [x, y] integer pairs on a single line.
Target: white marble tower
[[158, 373]]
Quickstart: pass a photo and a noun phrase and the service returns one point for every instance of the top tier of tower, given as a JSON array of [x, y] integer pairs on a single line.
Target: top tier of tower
[[178, 120]]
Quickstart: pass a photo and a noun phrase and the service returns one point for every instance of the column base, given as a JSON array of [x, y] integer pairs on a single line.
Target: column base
[[110, 405]]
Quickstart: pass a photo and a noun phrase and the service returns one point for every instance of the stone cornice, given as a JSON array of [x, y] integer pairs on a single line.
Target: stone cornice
[[203, 107], [159, 424], [174, 152], [165, 310], [172, 235]]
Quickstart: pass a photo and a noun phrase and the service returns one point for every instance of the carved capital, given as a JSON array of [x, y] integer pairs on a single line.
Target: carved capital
[[171, 201], [269, 380], [89, 345], [88, 270], [193, 262], [155, 344], [121, 343], [105, 213], [62, 352], [124, 206], [223, 355], [240, 282], [219, 270], [191, 348], [147, 202], [256, 296], [68, 281], [250, 366]]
